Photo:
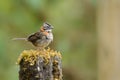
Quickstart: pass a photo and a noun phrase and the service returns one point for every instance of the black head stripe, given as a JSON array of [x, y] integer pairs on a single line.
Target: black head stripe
[[47, 26]]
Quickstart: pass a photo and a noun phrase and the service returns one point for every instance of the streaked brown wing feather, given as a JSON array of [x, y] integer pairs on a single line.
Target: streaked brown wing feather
[[34, 37]]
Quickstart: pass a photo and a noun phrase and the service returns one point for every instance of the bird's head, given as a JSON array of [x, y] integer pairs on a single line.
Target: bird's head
[[46, 27]]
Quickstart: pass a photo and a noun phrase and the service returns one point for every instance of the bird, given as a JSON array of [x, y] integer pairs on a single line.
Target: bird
[[42, 38]]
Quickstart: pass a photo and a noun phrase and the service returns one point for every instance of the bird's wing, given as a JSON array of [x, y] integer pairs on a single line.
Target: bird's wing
[[35, 36]]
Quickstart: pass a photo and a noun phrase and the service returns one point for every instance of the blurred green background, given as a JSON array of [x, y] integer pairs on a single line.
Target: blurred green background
[[74, 32]]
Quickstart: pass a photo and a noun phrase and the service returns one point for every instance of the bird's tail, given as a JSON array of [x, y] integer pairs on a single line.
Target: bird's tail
[[20, 39]]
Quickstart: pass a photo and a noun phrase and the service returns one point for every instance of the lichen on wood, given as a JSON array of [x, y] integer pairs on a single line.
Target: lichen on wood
[[40, 65]]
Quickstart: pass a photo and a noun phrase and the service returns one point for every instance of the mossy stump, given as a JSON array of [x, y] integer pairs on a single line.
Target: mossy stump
[[40, 65]]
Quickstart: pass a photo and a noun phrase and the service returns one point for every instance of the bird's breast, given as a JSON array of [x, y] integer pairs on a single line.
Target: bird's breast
[[45, 41]]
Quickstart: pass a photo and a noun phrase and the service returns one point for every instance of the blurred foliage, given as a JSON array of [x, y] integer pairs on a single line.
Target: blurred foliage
[[74, 34]]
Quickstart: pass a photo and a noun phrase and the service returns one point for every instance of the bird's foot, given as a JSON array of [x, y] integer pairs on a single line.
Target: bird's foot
[[40, 49]]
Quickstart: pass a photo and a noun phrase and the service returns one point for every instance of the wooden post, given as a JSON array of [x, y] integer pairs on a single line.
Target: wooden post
[[40, 65], [108, 39]]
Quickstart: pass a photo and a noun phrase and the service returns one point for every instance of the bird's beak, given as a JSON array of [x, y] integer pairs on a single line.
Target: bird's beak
[[52, 27]]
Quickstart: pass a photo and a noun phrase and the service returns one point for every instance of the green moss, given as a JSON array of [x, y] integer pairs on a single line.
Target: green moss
[[32, 55]]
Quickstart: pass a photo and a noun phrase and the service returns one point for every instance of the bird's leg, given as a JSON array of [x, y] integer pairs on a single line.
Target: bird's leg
[[40, 48]]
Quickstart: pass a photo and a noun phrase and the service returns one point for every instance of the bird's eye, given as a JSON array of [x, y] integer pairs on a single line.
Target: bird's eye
[[48, 31]]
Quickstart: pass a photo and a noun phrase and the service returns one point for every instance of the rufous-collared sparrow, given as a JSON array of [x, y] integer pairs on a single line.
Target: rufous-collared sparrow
[[42, 38]]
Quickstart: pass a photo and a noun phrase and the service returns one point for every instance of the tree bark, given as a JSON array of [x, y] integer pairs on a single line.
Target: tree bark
[[108, 39]]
